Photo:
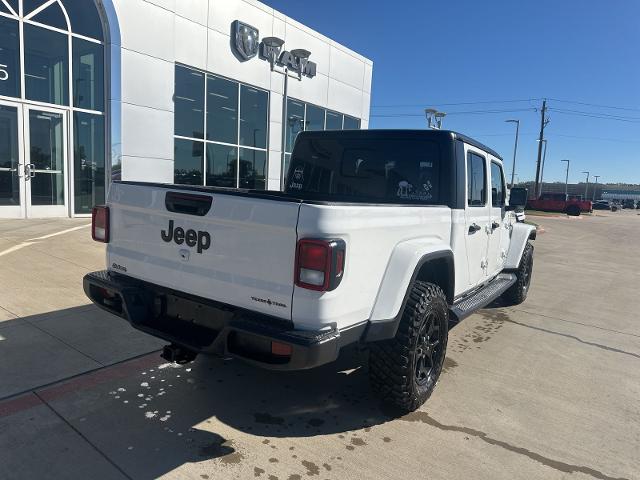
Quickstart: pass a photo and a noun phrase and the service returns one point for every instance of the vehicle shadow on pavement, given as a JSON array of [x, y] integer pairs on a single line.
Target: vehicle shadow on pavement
[[145, 417]]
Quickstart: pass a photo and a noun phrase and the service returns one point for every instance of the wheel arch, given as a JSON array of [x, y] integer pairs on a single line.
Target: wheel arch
[[434, 266]]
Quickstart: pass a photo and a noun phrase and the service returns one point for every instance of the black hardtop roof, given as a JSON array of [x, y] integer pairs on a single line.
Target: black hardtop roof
[[434, 134]]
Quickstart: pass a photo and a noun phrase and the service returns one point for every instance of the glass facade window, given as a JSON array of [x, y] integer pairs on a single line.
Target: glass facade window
[[9, 155], [235, 118], [222, 110], [254, 105], [189, 103], [89, 154], [351, 123], [189, 162], [9, 57], [315, 118], [253, 164], [46, 65], [73, 85], [295, 122], [304, 116], [88, 75], [334, 121], [221, 165]]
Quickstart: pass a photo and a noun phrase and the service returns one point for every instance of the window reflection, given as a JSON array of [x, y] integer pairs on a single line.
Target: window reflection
[[189, 161], [9, 58], [252, 169], [222, 110], [46, 64], [89, 160], [88, 75], [253, 113], [189, 103]]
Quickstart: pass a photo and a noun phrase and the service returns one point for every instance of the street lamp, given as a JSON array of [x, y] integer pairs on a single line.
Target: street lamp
[[272, 49], [566, 184], [434, 118], [595, 188], [302, 56], [586, 189], [515, 149], [544, 157]]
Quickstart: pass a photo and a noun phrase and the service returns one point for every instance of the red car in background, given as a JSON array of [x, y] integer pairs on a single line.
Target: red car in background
[[558, 202]]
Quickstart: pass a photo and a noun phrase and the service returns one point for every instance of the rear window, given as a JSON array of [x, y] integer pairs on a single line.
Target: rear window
[[377, 170]]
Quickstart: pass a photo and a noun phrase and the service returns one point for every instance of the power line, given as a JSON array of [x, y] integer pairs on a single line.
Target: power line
[[630, 109], [472, 112], [421, 105], [602, 116]]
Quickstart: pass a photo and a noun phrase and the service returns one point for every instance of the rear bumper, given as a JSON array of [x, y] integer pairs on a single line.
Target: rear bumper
[[204, 326]]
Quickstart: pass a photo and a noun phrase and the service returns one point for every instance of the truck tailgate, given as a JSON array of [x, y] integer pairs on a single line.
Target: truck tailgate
[[240, 252]]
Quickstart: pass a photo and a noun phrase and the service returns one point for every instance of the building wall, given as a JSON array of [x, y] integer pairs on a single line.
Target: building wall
[[157, 34]]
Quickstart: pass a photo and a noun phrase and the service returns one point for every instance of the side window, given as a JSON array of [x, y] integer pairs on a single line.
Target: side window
[[476, 180], [497, 186]]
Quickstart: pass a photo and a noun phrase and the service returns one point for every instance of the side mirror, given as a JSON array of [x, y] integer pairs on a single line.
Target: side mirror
[[518, 198]]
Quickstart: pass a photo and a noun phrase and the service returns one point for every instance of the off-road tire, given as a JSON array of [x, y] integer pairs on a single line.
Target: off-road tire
[[394, 363], [573, 211], [518, 292]]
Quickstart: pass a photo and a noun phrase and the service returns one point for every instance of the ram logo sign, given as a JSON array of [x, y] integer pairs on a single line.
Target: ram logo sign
[[247, 40]]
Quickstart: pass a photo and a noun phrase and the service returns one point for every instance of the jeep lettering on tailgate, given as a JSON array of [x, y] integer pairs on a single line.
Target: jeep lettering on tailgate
[[190, 237]]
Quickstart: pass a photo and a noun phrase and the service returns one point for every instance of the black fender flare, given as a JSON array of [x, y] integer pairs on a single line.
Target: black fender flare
[[385, 329]]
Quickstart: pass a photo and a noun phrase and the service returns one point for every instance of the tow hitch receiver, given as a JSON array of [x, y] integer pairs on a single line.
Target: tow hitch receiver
[[178, 354]]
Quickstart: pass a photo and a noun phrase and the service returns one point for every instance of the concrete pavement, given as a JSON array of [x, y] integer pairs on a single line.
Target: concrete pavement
[[548, 389]]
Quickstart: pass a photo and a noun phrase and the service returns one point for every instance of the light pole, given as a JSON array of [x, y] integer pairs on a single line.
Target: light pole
[[434, 118], [595, 188], [544, 157], [586, 189], [566, 183], [515, 149], [272, 50]]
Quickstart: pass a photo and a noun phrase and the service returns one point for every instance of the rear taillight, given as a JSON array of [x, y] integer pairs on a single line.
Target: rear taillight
[[319, 264], [100, 224]]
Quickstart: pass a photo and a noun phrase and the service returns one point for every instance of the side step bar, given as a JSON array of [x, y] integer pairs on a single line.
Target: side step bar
[[482, 297]]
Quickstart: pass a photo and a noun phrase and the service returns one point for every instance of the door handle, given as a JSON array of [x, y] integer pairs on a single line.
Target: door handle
[[29, 170], [474, 228], [19, 170], [494, 225]]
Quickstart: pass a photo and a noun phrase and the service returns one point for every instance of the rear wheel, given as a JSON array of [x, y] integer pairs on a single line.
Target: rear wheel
[[518, 292], [404, 370]]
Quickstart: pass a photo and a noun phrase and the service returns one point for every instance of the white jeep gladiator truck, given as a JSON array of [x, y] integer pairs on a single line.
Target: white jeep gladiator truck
[[379, 238]]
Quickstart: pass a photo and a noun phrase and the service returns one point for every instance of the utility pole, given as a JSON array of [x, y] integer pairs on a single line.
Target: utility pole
[[543, 123], [515, 149], [586, 189], [544, 158], [595, 188], [566, 183]]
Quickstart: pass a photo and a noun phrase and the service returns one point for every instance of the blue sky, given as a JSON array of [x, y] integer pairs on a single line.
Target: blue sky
[[427, 53]]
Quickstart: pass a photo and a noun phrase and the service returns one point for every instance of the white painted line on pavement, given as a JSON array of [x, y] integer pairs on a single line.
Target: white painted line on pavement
[[68, 230], [32, 241], [15, 248]]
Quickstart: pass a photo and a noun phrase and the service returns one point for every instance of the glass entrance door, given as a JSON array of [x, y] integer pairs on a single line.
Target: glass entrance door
[[12, 189], [45, 178]]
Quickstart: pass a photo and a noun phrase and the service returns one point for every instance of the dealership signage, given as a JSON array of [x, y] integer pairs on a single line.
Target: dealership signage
[[248, 45]]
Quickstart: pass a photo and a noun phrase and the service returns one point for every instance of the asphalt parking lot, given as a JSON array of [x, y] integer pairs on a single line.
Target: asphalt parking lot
[[549, 389]]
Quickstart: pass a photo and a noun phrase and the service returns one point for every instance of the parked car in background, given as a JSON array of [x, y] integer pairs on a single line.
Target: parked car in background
[[629, 203], [557, 202], [602, 205]]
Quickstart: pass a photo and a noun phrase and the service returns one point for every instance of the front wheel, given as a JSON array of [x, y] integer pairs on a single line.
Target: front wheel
[[518, 292], [573, 211], [405, 369]]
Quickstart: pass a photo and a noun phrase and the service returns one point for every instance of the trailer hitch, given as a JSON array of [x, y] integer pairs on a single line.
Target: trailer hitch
[[177, 354]]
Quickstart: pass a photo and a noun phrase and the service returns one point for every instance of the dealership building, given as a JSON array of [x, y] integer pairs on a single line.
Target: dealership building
[[201, 92]]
